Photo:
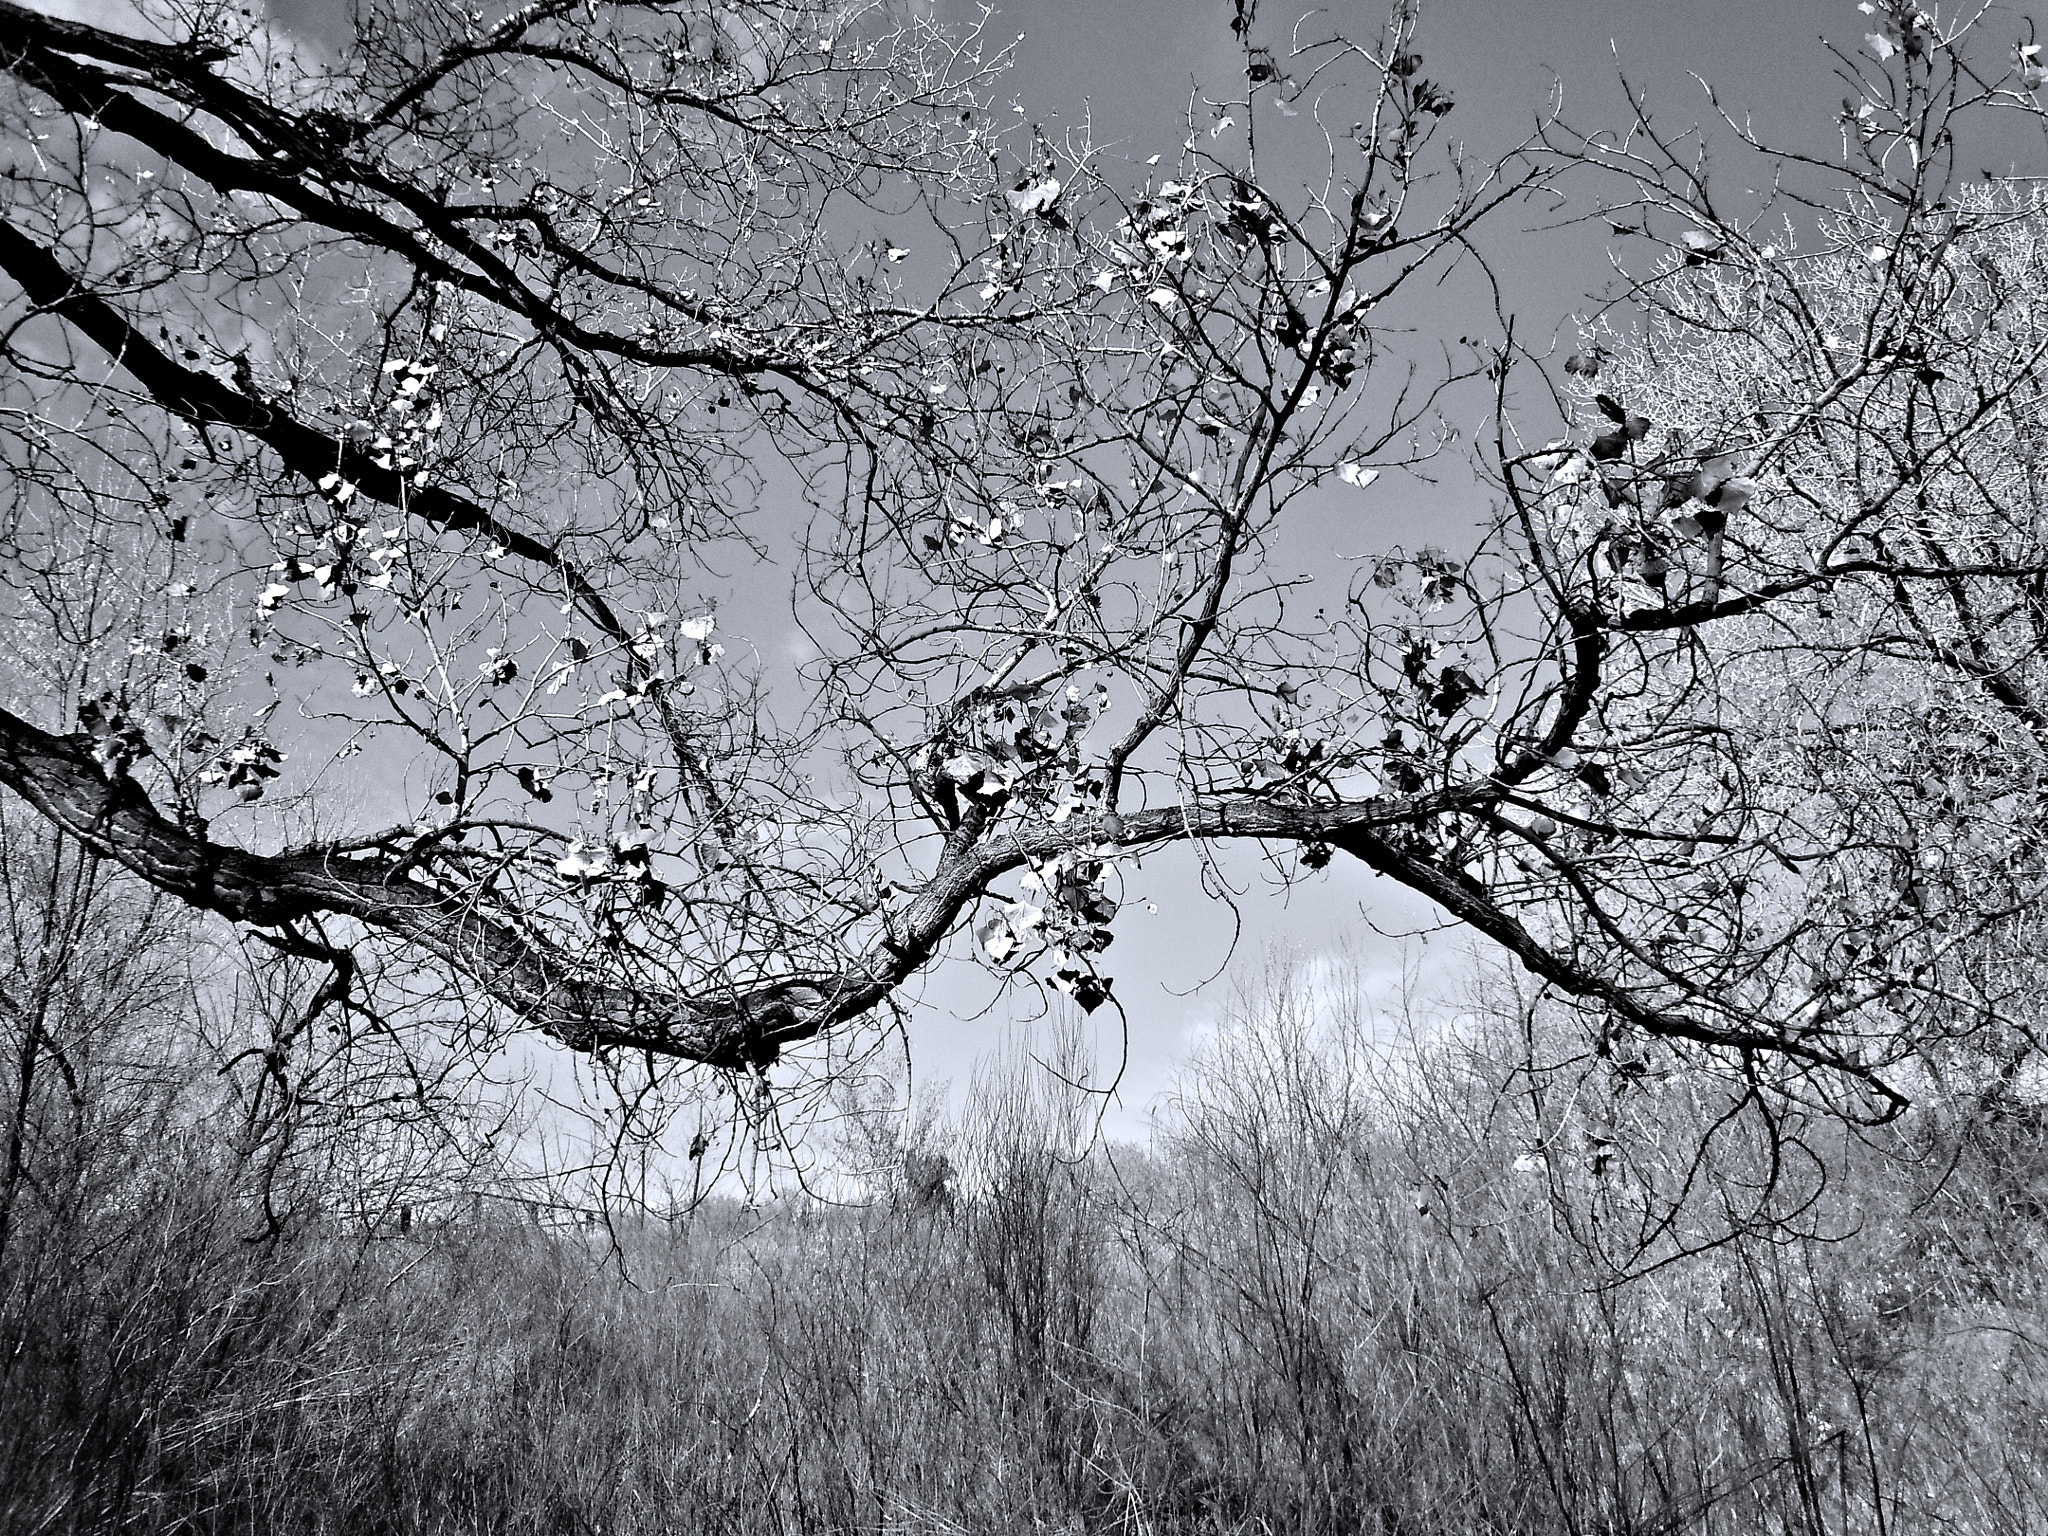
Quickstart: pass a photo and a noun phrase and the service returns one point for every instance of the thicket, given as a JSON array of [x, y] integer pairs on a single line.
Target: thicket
[[1346, 1289]]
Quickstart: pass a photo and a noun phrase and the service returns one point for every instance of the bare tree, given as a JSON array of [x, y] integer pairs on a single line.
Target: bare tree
[[1709, 732], [448, 342], [1802, 555], [426, 392], [90, 963]]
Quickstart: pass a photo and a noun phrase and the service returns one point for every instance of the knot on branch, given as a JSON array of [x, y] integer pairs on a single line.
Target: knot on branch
[[775, 1016]]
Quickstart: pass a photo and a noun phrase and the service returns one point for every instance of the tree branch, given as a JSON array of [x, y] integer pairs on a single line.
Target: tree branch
[[59, 777]]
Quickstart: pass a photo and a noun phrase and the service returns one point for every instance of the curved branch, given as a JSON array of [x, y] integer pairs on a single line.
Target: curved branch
[[1469, 901], [59, 777]]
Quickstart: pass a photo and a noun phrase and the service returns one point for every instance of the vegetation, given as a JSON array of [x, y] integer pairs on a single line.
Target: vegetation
[[1344, 1290], [408, 403], [398, 409]]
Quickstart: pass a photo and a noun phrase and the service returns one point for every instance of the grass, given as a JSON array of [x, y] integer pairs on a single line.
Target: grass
[[1334, 1297]]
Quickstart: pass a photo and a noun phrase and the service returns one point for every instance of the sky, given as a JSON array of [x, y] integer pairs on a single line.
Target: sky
[[1130, 69]]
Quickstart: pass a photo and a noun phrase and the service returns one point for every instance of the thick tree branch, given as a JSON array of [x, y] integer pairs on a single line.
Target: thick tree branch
[[301, 164], [205, 401], [1472, 904], [59, 777]]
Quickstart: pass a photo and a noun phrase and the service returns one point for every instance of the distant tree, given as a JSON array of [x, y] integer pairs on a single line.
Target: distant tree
[[1802, 561], [92, 976], [424, 395]]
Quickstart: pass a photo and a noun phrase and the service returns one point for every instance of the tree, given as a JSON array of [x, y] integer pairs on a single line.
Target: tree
[[579, 238], [87, 958], [1803, 541], [557, 302]]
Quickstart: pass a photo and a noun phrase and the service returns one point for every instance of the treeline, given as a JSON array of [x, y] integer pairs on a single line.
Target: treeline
[[1346, 1290]]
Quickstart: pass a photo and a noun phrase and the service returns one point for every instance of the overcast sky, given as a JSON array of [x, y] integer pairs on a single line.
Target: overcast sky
[[1131, 67]]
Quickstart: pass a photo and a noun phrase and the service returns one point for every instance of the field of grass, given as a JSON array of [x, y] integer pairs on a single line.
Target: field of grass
[[1337, 1294]]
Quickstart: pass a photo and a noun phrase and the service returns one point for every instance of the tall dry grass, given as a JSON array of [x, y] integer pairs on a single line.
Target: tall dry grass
[[1345, 1290]]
